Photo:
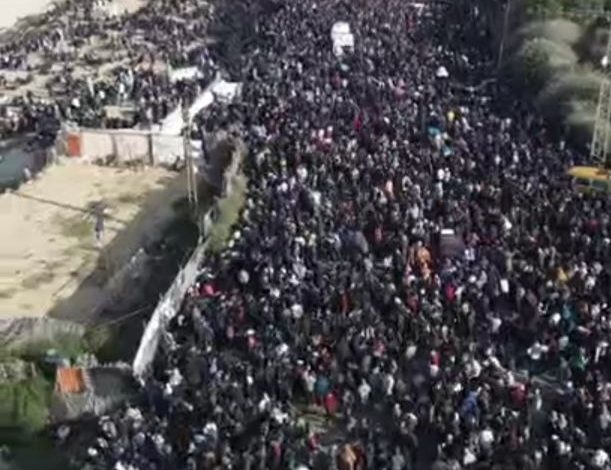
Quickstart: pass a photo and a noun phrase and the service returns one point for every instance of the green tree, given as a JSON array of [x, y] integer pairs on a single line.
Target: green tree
[[538, 60], [545, 7]]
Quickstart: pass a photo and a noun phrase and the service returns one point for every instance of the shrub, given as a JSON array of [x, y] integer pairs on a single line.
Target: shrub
[[593, 43], [65, 344], [581, 86], [538, 60], [24, 404], [543, 58], [551, 8], [560, 31], [100, 340], [545, 7]]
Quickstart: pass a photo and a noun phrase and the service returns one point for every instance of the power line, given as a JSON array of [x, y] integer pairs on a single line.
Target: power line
[[189, 163], [121, 318]]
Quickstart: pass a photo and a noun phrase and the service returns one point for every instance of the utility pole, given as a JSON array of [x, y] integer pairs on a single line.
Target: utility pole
[[190, 168], [505, 26], [186, 152]]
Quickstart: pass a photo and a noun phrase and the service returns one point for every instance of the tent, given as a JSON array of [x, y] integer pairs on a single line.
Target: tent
[[342, 38], [226, 92], [218, 90]]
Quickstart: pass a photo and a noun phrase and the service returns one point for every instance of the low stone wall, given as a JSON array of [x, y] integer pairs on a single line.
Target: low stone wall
[[121, 146], [19, 332]]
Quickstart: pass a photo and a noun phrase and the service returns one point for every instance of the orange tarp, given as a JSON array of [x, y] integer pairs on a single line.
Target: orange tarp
[[70, 380], [73, 142]]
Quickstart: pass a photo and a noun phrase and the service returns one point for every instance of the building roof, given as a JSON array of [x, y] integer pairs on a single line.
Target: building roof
[[70, 380]]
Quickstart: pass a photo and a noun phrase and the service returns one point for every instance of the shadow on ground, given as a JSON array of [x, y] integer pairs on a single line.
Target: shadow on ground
[[109, 284]]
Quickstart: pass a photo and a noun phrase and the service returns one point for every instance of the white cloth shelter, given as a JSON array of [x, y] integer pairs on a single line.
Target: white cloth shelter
[[342, 38], [218, 90], [226, 92]]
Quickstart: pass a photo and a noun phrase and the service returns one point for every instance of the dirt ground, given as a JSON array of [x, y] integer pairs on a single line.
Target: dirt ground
[[47, 238]]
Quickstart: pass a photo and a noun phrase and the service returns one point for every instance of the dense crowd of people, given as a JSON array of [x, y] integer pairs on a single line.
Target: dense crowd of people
[[337, 293], [70, 47]]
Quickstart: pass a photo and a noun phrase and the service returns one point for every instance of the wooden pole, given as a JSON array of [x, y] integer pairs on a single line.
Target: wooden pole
[[187, 153], [502, 44]]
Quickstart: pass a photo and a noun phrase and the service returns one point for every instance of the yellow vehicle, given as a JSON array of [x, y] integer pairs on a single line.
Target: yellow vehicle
[[590, 178]]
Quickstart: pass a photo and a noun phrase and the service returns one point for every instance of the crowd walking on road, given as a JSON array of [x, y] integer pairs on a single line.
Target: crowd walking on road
[[339, 291]]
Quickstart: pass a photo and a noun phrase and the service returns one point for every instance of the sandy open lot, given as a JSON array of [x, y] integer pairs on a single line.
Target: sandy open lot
[[47, 242]]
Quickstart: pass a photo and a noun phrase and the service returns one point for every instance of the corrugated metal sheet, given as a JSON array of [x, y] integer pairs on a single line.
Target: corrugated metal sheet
[[70, 380]]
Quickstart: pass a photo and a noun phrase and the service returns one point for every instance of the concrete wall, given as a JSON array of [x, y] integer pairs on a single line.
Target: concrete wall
[[121, 146]]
